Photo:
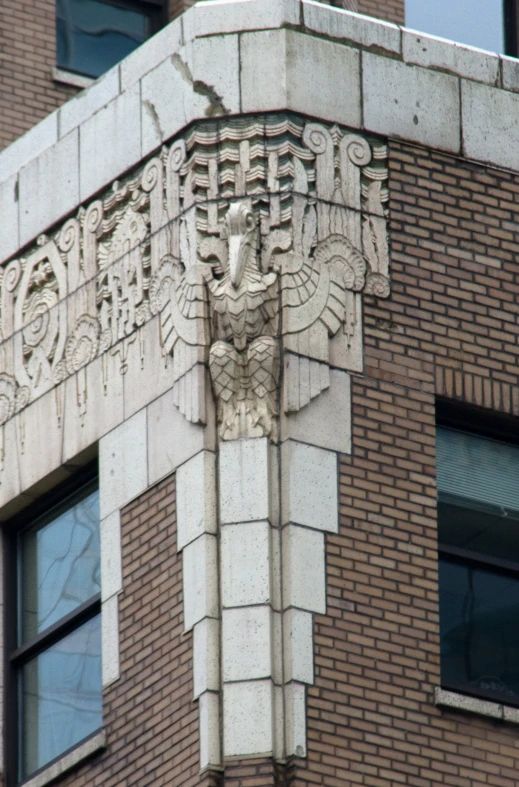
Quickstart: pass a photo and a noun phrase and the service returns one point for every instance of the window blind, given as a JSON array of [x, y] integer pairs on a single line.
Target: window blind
[[477, 468]]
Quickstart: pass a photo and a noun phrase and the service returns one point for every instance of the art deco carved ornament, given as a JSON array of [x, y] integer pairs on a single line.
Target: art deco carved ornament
[[251, 240]]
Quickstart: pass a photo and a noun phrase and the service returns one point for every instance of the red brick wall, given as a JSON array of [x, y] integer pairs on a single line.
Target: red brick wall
[[450, 328], [27, 56], [150, 717]]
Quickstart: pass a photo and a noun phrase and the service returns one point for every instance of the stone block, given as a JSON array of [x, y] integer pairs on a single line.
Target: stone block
[[110, 142], [244, 480], [304, 577], [93, 404], [172, 439], [230, 16], [40, 438], [247, 718], [48, 187], [511, 714], [295, 720], [28, 146], [148, 373], [347, 26], [245, 564], [411, 103], [196, 498], [110, 640], [209, 716], [87, 102], [298, 647], [490, 133], [200, 580], [203, 76], [9, 235], [510, 73], [309, 478], [246, 643], [326, 420], [433, 52], [123, 464], [111, 555], [285, 69], [10, 485], [206, 652], [152, 52]]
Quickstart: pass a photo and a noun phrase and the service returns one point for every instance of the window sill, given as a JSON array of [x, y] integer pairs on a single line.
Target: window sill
[[493, 710], [59, 767], [69, 78]]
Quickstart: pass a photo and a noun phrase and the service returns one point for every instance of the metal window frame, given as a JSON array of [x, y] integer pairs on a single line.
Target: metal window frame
[[15, 657], [483, 423]]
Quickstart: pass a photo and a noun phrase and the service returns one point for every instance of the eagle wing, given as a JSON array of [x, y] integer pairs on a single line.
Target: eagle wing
[[315, 288], [185, 333]]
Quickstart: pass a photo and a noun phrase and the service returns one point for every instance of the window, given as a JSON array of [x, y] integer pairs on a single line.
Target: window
[[93, 35], [487, 24], [478, 534], [55, 684]]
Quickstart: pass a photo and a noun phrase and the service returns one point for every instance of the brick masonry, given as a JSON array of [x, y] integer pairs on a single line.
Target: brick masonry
[[449, 328]]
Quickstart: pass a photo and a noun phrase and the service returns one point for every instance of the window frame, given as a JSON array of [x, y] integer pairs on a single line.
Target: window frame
[[496, 426], [15, 657], [157, 10]]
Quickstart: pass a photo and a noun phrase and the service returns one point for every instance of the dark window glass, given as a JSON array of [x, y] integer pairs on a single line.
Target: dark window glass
[[61, 696], [92, 36], [60, 566], [478, 23], [57, 656], [478, 531]]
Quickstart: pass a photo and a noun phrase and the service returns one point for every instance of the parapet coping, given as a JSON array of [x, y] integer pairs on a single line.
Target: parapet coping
[[493, 710], [251, 56], [76, 756]]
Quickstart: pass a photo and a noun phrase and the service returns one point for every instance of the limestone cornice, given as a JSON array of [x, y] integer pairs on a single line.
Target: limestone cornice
[[229, 58]]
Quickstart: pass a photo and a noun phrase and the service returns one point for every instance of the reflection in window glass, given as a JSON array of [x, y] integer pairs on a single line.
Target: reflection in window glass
[[93, 36], [60, 565], [479, 608], [61, 696], [474, 22]]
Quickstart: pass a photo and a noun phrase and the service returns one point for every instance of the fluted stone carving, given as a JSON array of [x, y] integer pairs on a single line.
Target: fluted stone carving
[[252, 240]]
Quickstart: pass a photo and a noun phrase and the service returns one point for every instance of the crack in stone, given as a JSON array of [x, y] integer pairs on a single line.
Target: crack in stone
[[215, 105], [154, 117]]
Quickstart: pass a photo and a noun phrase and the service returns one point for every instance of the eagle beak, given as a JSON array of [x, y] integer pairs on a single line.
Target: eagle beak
[[237, 254]]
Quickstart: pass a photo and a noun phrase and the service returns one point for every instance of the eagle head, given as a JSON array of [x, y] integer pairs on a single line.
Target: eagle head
[[240, 228]]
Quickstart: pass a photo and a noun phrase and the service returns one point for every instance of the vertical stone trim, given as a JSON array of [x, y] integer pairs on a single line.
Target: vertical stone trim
[[309, 508], [123, 474], [196, 538], [251, 625], [111, 586]]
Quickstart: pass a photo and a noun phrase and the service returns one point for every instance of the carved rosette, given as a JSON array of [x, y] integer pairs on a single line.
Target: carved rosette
[[252, 241]]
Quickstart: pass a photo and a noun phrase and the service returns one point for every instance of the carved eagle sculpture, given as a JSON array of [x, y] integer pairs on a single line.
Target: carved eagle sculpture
[[229, 321], [226, 315]]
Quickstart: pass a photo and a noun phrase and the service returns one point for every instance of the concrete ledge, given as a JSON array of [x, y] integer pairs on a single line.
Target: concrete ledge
[[65, 77], [75, 757], [493, 710]]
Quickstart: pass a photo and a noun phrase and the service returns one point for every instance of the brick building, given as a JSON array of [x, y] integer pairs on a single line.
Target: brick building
[[258, 404]]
